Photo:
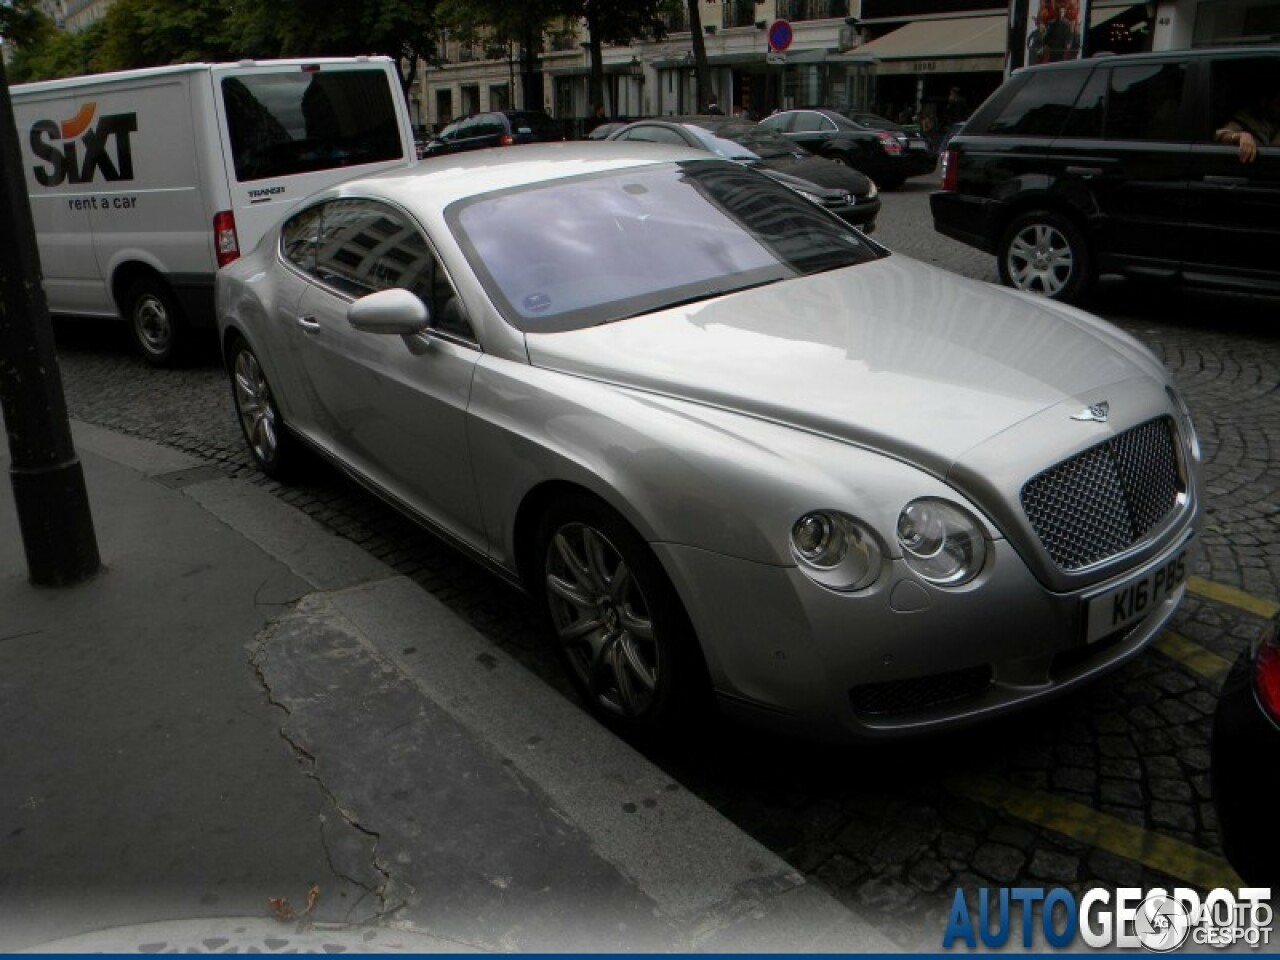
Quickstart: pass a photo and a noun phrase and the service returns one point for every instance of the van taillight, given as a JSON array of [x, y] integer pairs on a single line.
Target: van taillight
[[506, 140], [949, 170], [225, 242]]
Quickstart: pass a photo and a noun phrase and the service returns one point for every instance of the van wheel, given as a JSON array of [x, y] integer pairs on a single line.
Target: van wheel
[[270, 445], [1045, 253], [156, 322], [618, 626]]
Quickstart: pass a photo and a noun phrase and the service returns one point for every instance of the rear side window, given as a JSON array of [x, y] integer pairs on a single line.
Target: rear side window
[[1144, 102], [484, 125], [282, 124], [1041, 106]]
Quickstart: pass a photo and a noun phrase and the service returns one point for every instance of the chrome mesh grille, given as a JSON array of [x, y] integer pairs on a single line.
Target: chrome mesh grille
[[1106, 499]]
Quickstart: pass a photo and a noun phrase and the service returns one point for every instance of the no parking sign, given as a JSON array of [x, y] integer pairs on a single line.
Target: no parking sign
[[779, 35]]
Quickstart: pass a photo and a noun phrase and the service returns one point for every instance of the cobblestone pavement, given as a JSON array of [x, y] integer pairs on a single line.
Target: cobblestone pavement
[[895, 829]]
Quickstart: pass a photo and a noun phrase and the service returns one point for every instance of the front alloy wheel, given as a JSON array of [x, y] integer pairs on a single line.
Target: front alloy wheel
[[617, 623], [601, 619]]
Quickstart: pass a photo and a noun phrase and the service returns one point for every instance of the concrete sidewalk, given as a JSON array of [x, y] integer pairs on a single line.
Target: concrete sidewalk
[[243, 706]]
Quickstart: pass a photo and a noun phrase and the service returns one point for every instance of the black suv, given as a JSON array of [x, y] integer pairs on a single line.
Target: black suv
[[1111, 165], [497, 128]]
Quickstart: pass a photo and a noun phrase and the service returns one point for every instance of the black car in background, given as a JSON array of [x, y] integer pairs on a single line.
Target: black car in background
[[1111, 166], [497, 128], [845, 192], [1246, 744], [886, 155]]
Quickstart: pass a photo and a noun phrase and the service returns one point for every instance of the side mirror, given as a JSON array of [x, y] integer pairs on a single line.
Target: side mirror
[[389, 311]]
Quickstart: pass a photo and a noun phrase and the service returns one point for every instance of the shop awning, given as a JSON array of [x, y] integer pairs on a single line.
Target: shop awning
[[941, 40]]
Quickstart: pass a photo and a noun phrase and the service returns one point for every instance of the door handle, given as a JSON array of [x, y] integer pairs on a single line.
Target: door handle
[[1085, 171], [1226, 181], [309, 324]]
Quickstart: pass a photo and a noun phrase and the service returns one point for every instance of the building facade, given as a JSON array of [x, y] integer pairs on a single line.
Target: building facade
[[898, 57]]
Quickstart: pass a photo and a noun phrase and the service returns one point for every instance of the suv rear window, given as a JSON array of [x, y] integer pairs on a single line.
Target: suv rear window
[[288, 123], [1040, 106], [541, 125]]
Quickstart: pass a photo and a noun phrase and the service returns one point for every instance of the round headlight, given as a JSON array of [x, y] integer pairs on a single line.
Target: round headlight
[[941, 542], [835, 550]]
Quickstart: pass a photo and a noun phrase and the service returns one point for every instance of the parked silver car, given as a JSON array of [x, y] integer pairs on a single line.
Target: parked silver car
[[728, 442]]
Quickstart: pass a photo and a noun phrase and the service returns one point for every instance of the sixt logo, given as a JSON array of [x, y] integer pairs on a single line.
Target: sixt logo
[[59, 145]]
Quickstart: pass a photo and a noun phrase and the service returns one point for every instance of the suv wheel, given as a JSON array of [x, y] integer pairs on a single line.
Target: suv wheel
[[1045, 253]]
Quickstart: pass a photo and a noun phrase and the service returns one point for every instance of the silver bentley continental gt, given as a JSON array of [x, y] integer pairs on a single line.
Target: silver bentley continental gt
[[739, 453]]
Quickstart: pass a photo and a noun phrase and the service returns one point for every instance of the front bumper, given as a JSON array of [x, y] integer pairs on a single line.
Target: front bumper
[[902, 657]]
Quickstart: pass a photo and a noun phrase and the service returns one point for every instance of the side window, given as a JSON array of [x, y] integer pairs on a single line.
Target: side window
[[1085, 120], [1243, 89], [485, 125], [783, 122], [365, 247], [299, 238], [1040, 106], [828, 125], [1145, 101], [808, 122]]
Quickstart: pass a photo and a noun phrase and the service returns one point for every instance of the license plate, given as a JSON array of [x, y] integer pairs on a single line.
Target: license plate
[[1133, 600]]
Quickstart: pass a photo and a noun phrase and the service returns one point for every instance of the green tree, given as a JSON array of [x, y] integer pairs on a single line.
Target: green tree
[[403, 29], [525, 23], [46, 52], [151, 33], [617, 22]]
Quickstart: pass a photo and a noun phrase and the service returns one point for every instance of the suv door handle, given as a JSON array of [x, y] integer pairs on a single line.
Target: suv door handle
[[1226, 181], [1085, 171]]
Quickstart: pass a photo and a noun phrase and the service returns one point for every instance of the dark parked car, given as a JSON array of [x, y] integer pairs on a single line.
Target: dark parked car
[[847, 193], [498, 128], [887, 156], [1246, 743], [1076, 169]]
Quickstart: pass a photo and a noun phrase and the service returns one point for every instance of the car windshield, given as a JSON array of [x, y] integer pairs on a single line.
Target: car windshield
[[604, 247]]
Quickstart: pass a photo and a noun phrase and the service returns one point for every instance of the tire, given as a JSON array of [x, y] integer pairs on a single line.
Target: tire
[[156, 322], [270, 444], [616, 622], [1045, 253]]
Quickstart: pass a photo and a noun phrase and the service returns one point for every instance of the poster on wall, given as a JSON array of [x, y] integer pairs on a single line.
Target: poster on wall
[[1045, 31]]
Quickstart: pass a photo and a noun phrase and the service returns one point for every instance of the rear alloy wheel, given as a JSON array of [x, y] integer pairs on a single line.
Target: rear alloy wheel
[[619, 628], [156, 322], [259, 417], [1043, 252]]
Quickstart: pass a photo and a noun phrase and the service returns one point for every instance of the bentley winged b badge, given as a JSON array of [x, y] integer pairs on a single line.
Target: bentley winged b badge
[[1097, 413]]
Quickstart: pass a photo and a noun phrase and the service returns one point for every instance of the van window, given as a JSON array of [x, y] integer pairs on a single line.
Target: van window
[[1039, 108], [1145, 102], [297, 122]]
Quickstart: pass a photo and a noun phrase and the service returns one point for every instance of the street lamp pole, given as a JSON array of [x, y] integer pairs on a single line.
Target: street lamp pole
[[48, 482]]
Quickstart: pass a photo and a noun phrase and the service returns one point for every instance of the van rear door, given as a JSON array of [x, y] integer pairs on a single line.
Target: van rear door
[[289, 128]]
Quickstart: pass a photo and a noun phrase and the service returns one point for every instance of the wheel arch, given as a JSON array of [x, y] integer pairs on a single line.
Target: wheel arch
[[129, 272]]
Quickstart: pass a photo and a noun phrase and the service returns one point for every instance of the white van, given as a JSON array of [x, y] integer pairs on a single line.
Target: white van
[[144, 182]]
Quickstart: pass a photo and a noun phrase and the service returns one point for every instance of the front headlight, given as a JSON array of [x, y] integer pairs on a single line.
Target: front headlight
[[941, 542], [874, 191], [835, 550]]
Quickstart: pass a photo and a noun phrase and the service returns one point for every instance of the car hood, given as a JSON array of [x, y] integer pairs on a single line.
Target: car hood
[[893, 355], [822, 171]]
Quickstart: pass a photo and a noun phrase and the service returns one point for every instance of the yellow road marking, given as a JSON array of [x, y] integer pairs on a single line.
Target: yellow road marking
[[1193, 656], [1232, 597], [1082, 823]]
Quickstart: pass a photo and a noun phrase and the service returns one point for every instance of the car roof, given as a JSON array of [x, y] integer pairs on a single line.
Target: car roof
[[1198, 53], [459, 176]]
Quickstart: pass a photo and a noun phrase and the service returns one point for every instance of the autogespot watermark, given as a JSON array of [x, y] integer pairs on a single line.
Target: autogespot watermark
[[1128, 918]]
